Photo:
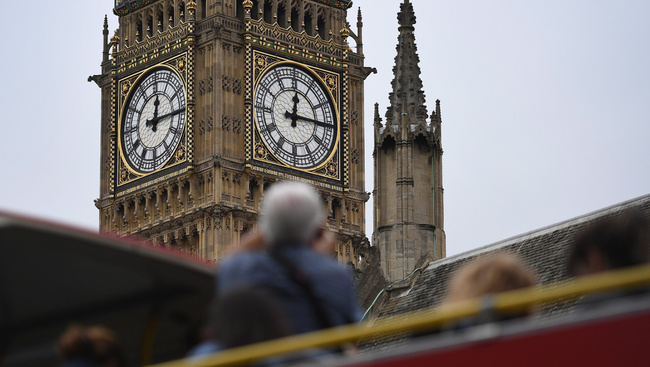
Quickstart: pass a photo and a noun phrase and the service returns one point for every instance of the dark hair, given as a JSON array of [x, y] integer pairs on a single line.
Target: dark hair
[[622, 240], [96, 344], [247, 315]]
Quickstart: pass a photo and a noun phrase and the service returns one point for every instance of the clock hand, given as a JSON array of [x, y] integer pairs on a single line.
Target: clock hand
[[156, 103], [154, 121], [319, 123], [295, 117]]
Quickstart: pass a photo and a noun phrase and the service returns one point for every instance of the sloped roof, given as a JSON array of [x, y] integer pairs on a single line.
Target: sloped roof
[[544, 250]]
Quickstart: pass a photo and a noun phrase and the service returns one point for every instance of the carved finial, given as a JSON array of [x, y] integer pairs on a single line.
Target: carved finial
[[115, 40], [406, 16], [105, 25], [377, 117], [345, 33], [248, 5], [191, 9], [107, 44]]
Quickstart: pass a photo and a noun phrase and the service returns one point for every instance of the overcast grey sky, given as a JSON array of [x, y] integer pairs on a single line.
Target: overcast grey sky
[[544, 106]]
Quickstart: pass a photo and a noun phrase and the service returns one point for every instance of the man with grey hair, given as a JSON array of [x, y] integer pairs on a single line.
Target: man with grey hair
[[313, 289]]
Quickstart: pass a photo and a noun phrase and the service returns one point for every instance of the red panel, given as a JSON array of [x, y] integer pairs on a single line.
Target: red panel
[[621, 341]]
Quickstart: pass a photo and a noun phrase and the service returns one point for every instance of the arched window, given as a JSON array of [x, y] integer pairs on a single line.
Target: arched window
[[240, 10], [181, 11], [170, 12], [335, 205], [253, 189], [295, 20], [282, 16], [268, 12], [138, 30], [160, 21], [150, 26], [255, 10], [309, 24], [322, 28], [204, 9]]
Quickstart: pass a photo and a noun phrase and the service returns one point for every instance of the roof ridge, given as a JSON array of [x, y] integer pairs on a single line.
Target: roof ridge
[[541, 231]]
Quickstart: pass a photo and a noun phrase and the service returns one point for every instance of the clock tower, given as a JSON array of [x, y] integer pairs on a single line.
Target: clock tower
[[206, 103]]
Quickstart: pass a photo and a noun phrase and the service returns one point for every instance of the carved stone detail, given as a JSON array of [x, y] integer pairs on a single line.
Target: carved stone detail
[[225, 83], [354, 118], [225, 123], [354, 155]]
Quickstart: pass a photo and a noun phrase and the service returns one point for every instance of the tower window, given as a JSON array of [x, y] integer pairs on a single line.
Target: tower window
[[282, 16], [322, 28], [240, 10], [295, 20], [309, 24], [138, 31], [204, 9], [388, 144], [336, 204], [181, 11], [268, 12], [150, 26], [255, 10], [171, 16], [160, 21], [253, 188], [421, 143]]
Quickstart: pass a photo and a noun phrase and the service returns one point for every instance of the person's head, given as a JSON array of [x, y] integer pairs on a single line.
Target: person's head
[[488, 275], [292, 212], [96, 344], [246, 315], [611, 243]]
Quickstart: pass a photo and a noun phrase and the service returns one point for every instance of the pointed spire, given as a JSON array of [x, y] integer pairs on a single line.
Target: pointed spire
[[359, 18], [107, 45], [378, 124], [407, 95], [359, 39], [406, 16]]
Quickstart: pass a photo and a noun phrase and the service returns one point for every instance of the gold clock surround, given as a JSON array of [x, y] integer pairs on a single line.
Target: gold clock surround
[[258, 152], [125, 174]]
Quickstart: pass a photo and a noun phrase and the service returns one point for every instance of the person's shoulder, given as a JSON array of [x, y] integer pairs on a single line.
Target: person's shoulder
[[324, 265], [243, 260]]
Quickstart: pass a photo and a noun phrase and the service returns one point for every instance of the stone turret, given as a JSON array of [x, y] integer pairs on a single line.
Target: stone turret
[[408, 196]]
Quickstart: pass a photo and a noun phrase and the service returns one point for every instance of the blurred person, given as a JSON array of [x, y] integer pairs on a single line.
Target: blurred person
[[611, 243], [286, 258], [489, 275], [608, 244], [240, 316], [94, 346]]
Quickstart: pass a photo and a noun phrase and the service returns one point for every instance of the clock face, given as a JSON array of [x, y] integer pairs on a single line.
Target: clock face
[[295, 116], [153, 120]]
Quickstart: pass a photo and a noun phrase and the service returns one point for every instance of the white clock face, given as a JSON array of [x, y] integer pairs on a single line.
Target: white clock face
[[295, 116], [153, 121]]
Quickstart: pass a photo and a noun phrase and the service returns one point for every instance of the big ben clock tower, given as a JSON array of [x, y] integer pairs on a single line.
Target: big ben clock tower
[[206, 103]]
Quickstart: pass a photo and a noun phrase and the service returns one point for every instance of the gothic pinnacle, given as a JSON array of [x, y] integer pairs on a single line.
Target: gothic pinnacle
[[407, 95]]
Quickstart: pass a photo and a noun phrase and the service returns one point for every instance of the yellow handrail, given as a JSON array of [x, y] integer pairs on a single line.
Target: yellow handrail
[[425, 320]]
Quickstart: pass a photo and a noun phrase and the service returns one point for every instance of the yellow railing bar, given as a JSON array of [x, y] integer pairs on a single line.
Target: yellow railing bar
[[424, 320]]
